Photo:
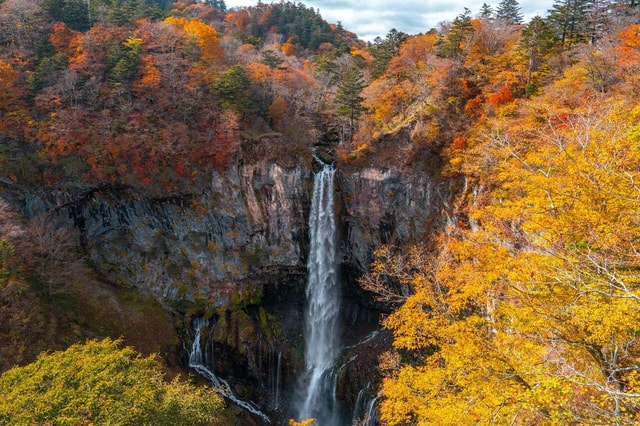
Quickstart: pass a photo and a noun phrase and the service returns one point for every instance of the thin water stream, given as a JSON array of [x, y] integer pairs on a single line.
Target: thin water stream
[[198, 361]]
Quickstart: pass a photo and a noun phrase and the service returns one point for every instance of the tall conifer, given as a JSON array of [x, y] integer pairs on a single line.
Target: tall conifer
[[508, 12]]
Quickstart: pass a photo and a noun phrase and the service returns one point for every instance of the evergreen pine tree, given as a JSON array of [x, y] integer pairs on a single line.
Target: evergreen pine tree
[[120, 12], [461, 28], [349, 96], [74, 13], [508, 12], [271, 58], [220, 4], [598, 19], [486, 12], [232, 89], [384, 50], [569, 19], [535, 47], [123, 61]]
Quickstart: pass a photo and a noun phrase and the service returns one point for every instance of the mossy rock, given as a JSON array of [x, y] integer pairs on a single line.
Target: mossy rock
[[221, 329], [255, 257], [236, 329], [245, 330], [269, 326], [251, 295]]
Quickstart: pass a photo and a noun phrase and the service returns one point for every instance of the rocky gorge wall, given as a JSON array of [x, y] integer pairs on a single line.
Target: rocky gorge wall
[[386, 206], [235, 251], [249, 225]]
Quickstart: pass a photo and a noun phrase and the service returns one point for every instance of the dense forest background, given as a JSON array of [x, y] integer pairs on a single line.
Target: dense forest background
[[523, 308]]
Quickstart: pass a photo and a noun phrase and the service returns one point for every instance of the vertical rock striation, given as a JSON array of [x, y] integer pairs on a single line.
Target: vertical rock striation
[[386, 206], [237, 249]]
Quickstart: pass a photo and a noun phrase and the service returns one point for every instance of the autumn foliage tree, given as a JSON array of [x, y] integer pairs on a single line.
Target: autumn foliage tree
[[527, 314], [628, 51], [101, 382], [151, 69]]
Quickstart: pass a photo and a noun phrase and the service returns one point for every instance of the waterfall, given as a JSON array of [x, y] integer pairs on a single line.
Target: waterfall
[[278, 383], [199, 359], [372, 410], [360, 407], [365, 410], [274, 379], [321, 334]]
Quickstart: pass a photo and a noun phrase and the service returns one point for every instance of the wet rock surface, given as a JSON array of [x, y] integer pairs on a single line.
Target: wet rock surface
[[235, 251]]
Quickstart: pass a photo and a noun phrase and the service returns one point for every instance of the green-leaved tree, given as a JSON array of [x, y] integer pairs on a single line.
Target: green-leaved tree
[[232, 89], [101, 383], [508, 12], [349, 97]]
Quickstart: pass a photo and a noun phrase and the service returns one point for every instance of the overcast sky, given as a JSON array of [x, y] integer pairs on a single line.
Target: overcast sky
[[371, 18]]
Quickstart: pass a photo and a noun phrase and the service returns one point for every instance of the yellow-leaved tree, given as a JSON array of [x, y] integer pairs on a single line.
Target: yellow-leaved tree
[[102, 383], [529, 315]]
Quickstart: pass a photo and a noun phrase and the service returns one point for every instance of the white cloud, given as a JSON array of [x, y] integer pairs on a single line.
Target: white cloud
[[372, 18]]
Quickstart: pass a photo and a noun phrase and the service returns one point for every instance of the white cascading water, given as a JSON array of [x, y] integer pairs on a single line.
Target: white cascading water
[[323, 299], [274, 377], [360, 407], [198, 361], [371, 416]]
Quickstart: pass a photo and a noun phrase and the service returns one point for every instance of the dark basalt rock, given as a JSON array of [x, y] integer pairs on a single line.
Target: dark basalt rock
[[236, 251]]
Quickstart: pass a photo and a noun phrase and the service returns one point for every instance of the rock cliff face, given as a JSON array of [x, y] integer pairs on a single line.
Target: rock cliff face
[[249, 225], [388, 206], [236, 252]]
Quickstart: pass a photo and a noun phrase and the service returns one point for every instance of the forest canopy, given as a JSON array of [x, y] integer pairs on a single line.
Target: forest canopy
[[101, 383], [522, 308]]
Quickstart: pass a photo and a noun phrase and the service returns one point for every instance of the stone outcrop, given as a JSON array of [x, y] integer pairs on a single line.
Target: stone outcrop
[[385, 206], [235, 250], [246, 228]]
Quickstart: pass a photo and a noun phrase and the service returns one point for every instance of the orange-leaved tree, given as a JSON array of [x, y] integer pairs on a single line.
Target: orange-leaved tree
[[529, 315]]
